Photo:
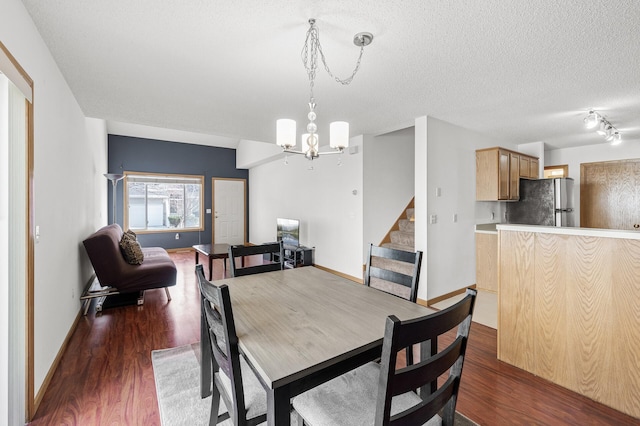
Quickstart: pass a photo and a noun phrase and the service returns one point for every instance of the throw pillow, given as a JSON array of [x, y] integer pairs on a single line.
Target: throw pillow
[[132, 234], [131, 249]]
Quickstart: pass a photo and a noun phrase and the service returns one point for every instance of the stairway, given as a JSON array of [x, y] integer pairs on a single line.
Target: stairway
[[400, 237], [403, 235]]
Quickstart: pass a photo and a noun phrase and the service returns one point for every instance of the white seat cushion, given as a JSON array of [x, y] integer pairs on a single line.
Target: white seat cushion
[[350, 400]]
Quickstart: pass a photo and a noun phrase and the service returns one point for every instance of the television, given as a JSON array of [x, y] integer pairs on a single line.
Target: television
[[288, 231]]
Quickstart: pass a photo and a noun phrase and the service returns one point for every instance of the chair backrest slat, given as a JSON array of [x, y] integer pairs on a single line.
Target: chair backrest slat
[[275, 262], [382, 269], [400, 334]]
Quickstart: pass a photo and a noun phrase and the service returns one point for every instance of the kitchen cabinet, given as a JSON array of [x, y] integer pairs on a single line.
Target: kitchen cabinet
[[498, 173], [487, 261], [528, 167]]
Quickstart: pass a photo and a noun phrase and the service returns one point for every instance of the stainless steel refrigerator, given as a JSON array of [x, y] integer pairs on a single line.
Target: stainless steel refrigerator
[[547, 202]]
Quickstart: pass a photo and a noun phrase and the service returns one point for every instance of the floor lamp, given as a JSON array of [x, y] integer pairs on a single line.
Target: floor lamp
[[114, 178]]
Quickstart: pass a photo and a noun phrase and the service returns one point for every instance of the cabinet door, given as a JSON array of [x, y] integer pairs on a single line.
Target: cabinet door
[[534, 171], [524, 166], [487, 262], [503, 175], [514, 176]]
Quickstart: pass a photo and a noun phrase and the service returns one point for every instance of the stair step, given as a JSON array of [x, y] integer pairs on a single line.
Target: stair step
[[411, 214], [404, 238], [407, 225]]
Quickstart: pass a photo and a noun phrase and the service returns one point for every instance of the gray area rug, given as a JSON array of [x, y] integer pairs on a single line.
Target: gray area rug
[[177, 376]]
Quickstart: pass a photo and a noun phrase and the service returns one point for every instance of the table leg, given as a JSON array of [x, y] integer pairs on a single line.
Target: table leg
[[210, 268], [279, 406], [197, 257]]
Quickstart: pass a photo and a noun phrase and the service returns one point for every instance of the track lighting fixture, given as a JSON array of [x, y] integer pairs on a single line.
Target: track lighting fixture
[[603, 127]]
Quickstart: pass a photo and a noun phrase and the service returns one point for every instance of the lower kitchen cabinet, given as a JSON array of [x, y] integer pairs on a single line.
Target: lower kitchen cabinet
[[487, 261]]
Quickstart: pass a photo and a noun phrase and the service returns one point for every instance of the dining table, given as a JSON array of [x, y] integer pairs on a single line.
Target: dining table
[[298, 328]]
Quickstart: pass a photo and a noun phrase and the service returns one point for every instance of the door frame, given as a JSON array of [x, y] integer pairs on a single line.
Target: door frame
[[31, 405], [213, 206]]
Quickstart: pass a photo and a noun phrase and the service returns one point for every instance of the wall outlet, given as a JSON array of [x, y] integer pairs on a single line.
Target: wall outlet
[[177, 236], [433, 219]]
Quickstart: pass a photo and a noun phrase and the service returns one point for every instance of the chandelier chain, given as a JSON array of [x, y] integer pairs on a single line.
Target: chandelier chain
[[309, 55]]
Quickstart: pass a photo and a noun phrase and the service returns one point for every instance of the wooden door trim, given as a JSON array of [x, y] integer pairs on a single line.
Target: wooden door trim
[[31, 405], [213, 206]]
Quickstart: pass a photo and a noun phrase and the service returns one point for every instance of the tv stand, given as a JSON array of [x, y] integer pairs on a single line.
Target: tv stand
[[295, 256]]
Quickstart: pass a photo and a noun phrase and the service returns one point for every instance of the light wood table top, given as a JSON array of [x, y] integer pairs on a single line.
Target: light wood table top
[[301, 327]]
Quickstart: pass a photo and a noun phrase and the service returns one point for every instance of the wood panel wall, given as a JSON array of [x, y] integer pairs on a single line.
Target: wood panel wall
[[569, 311]]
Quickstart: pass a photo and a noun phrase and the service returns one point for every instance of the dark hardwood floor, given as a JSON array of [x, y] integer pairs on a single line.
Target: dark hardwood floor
[[106, 377]]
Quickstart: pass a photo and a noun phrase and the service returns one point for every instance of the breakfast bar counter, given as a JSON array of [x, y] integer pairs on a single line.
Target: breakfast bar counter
[[568, 309]]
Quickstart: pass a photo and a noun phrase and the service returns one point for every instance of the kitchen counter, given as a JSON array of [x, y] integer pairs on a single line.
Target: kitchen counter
[[486, 228], [567, 309], [591, 232]]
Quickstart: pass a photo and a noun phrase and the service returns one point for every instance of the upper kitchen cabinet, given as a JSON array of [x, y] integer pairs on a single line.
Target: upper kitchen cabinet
[[498, 173]]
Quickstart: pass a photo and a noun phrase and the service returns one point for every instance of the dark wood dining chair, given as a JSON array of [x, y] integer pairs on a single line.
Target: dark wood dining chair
[[224, 372], [273, 258], [378, 394], [396, 272]]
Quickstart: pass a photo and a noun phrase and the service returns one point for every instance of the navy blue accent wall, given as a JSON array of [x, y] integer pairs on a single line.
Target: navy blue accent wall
[[153, 156]]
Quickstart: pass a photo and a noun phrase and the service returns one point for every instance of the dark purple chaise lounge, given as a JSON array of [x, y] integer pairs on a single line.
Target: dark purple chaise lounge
[[117, 275]]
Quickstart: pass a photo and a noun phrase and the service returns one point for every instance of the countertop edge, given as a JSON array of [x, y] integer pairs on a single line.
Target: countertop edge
[[592, 232]]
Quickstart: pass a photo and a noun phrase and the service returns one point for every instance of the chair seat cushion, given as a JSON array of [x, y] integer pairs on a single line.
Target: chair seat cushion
[[255, 397], [350, 400]]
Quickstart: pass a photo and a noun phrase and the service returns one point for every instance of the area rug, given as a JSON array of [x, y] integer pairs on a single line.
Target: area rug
[[177, 376]]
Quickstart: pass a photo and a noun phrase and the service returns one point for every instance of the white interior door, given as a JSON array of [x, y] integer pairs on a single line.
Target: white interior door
[[229, 211]]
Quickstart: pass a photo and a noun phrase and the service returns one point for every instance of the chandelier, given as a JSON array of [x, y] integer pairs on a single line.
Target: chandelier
[[338, 130]]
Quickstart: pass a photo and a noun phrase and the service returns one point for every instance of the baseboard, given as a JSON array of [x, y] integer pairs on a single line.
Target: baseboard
[[444, 296], [340, 274], [54, 365], [180, 250]]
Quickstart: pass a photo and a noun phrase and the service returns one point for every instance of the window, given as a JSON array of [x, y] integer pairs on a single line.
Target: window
[[158, 202]]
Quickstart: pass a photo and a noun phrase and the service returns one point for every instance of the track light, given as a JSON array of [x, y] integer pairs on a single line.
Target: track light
[[592, 120], [617, 139], [597, 121]]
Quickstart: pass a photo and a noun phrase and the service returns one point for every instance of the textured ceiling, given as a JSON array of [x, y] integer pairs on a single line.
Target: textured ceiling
[[522, 70]]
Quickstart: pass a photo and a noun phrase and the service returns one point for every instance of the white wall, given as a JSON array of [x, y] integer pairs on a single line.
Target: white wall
[[69, 190], [388, 178], [322, 199], [573, 157], [450, 264]]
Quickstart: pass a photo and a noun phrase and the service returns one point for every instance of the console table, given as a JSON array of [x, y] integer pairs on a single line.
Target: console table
[[213, 251]]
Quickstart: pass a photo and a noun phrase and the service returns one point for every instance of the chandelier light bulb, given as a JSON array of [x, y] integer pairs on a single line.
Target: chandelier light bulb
[[286, 132], [339, 135]]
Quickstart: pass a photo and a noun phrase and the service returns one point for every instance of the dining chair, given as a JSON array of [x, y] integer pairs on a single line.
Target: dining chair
[[224, 371], [273, 252], [396, 272], [378, 394]]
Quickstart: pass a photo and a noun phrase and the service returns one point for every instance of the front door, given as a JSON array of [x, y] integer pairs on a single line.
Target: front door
[[229, 208]]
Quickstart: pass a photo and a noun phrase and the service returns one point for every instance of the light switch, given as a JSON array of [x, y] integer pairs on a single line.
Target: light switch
[[208, 211], [37, 233], [455, 217], [438, 192], [433, 219]]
